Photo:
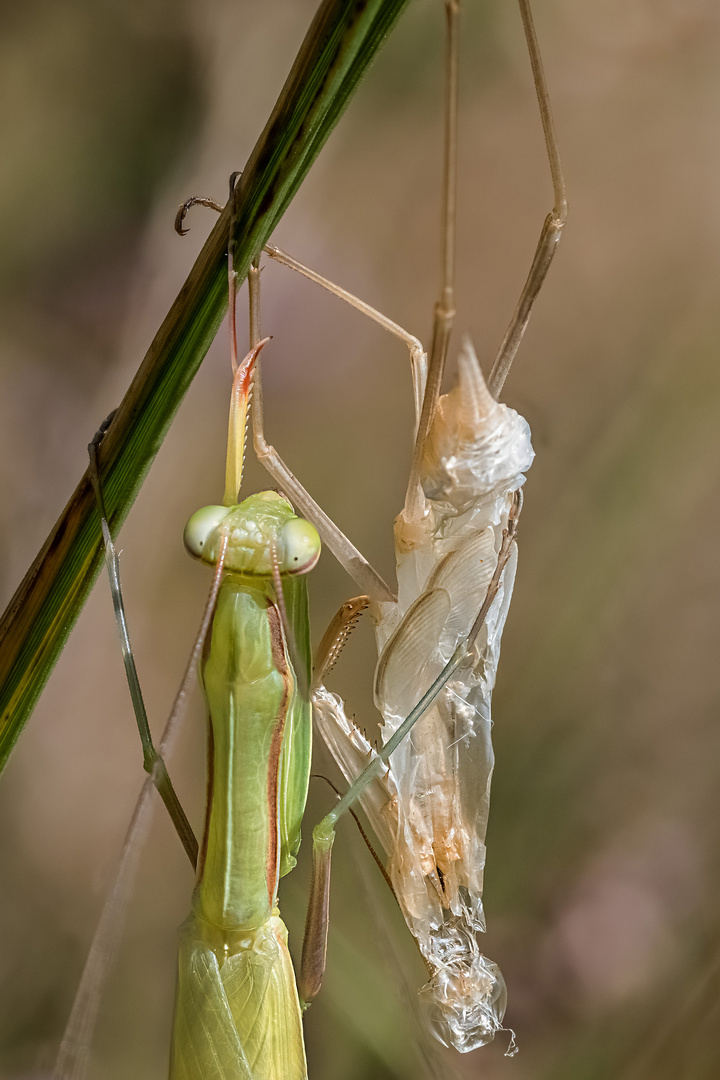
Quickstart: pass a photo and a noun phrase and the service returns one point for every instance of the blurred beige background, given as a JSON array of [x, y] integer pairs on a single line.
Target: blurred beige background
[[603, 870]]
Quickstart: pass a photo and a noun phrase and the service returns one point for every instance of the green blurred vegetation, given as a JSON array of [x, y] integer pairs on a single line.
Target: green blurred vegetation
[[602, 851]]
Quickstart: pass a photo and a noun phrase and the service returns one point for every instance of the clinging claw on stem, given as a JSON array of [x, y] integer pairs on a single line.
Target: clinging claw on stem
[[194, 200], [201, 200]]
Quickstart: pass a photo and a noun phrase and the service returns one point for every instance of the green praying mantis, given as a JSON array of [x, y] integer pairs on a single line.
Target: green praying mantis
[[425, 790]]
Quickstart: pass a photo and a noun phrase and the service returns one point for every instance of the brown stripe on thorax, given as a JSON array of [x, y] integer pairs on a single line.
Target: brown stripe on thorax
[[210, 774], [209, 788], [277, 645]]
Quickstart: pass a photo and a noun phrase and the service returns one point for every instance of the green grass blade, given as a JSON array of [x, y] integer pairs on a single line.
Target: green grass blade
[[340, 44]]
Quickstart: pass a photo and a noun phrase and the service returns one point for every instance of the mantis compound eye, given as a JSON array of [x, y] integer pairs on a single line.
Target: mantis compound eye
[[298, 546], [200, 536]]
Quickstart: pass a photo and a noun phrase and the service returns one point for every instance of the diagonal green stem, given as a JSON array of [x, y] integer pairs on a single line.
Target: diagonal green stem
[[340, 44]]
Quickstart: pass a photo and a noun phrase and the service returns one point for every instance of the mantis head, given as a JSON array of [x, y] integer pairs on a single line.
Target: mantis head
[[261, 528]]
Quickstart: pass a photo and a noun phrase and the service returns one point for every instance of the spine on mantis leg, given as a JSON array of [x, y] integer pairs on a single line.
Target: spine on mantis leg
[[237, 1012], [429, 808]]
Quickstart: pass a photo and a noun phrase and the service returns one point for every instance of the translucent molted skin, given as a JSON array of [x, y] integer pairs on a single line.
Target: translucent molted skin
[[253, 528], [464, 1002], [430, 809]]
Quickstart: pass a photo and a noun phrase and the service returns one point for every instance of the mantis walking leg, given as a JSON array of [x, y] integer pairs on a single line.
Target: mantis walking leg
[[153, 762]]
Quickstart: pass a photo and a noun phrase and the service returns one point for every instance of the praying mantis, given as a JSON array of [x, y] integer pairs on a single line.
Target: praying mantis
[[495, 552]]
